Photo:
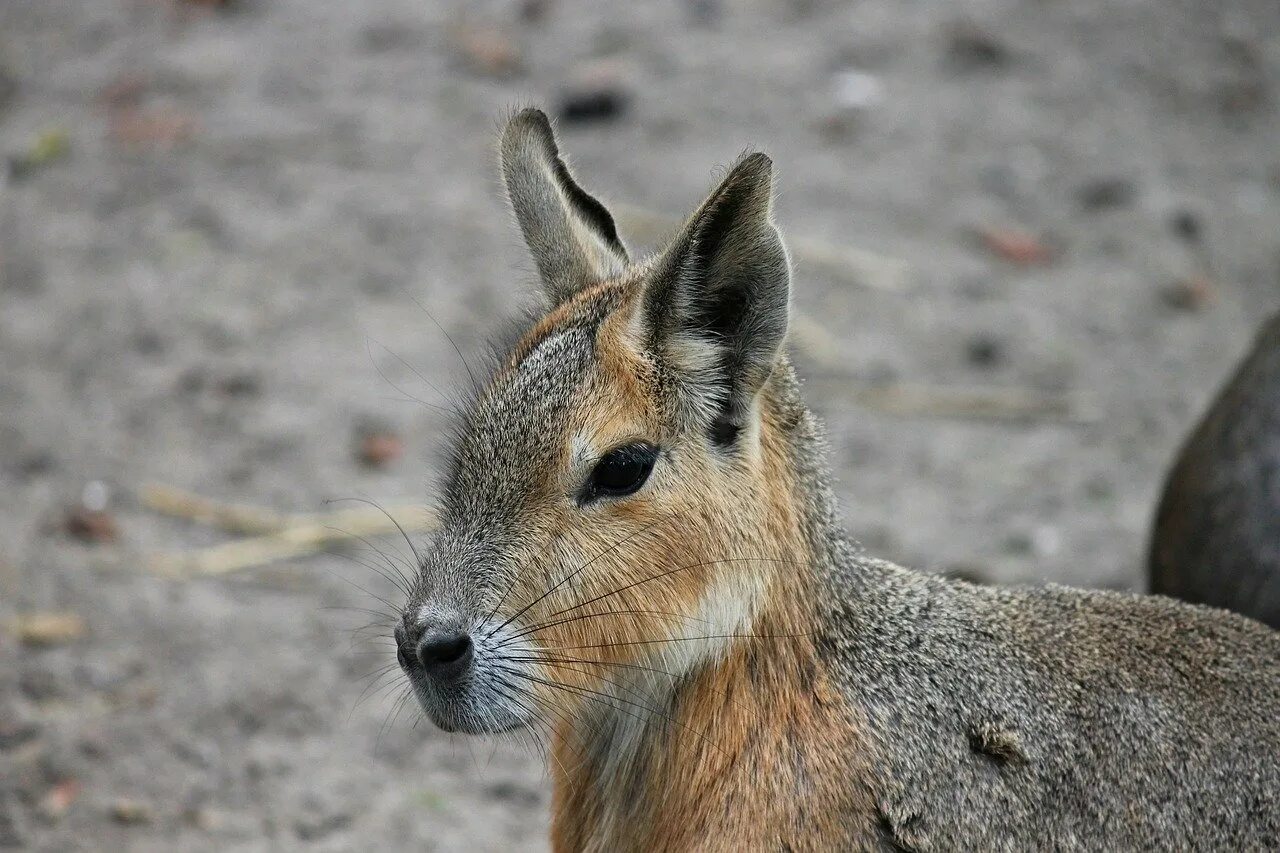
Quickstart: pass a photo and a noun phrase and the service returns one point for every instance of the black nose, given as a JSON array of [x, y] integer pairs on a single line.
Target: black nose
[[445, 654]]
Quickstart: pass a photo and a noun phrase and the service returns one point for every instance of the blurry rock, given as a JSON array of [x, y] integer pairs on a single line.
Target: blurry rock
[[513, 792], [600, 103], [534, 11], [15, 733], [130, 812], [379, 447], [55, 803], [48, 627], [1016, 247], [1189, 294], [1186, 225], [704, 12], [489, 51], [857, 91], [971, 48], [36, 463], [243, 384], [159, 128], [1105, 193], [95, 495], [984, 351], [46, 149], [93, 526]]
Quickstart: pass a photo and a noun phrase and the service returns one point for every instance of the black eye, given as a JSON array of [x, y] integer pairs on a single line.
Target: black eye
[[621, 471]]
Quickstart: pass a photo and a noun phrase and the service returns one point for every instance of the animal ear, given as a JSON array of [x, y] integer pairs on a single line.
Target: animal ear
[[716, 306], [571, 235]]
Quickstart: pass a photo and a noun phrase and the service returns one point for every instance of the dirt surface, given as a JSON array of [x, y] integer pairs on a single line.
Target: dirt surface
[[219, 222]]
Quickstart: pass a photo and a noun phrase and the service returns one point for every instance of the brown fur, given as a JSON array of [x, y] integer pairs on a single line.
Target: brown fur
[[712, 664]]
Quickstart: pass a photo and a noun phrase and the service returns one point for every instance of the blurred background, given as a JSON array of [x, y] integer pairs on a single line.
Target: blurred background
[[240, 238]]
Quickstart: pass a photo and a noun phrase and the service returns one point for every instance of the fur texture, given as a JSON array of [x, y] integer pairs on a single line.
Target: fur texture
[[1216, 538], [714, 667]]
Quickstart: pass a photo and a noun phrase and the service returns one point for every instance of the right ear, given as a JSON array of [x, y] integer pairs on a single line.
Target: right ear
[[571, 235]]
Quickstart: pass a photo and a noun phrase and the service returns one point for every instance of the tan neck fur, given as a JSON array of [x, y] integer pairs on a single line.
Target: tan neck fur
[[721, 760]]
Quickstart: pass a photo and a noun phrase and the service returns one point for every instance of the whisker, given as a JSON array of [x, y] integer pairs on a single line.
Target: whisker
[[577, 571], [412, 548], [474, 383], [542, 626], [409, 397], [608, 700]]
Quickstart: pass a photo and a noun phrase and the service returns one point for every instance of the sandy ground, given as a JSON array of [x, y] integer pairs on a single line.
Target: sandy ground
[[206, 288]]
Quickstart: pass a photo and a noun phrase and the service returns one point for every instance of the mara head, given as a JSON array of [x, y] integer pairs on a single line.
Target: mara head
[[619, 503]]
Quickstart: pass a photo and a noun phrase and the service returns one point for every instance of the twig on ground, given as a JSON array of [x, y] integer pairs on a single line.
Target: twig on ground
[[282, 536]]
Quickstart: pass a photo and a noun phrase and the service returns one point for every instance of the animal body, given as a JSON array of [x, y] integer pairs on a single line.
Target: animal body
[[1216, 538], [640, 564]]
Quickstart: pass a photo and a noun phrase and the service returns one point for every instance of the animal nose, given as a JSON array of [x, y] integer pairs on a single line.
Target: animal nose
[[445, 655]]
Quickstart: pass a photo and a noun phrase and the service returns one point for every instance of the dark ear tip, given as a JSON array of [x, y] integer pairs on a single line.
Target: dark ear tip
[[529, 121], [757, 164]]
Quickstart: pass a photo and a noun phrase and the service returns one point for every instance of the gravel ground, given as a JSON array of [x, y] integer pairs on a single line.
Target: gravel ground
[[229, 232]]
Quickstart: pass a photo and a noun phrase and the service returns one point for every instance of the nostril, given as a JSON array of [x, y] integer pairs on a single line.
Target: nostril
[[445, 655]]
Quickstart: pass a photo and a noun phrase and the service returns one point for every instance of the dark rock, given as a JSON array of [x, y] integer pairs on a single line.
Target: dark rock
[[1106, 193], [240, 385], [1189, 294], [593, 105], [1186, 225], [984, 351], [971, 48], [14, 733], [512, 792]]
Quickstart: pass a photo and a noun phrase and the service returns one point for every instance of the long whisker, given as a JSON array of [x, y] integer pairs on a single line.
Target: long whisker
[[678, 640], [609, 700], [412, 548], [667, 574], [576, 572], [474, 383], [542, 626], [409, 397]]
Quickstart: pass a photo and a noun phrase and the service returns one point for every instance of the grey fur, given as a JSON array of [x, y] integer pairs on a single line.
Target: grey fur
[[1216, 538], [1007, 719], [726, 280], [571, 235]]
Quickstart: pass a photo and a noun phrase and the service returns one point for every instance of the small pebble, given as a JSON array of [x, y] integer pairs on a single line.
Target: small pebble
[[534, 11], [14, 734], [1106, 193], [1189, 294], [857, 90], [55, 803], [94, 527], [378, 449], [1016, 247], [489, 51], [604, 103], [240, 385], [1186, 225], [971, 48], [984, 351], [95, 495], [130, 812]]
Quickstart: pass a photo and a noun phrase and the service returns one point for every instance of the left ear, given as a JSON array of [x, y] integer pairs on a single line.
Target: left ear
[[716, 306]]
